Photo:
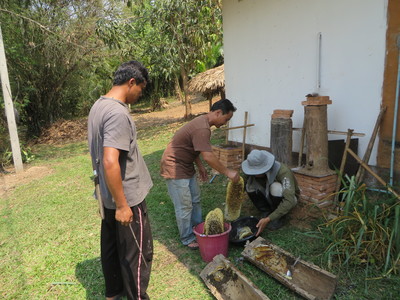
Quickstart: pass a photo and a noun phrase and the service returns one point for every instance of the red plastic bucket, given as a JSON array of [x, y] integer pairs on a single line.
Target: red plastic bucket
[[211, 245]]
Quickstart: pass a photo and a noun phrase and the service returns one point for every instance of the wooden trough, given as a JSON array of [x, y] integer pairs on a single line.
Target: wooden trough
[[228, 283], [304, 278]]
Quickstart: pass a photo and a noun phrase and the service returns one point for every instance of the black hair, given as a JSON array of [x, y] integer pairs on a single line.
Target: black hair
[[131, 69], [225, 105]]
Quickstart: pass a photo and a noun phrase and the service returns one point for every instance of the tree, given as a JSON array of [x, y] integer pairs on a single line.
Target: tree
[[190, 29], [54, 56], [169, 36]]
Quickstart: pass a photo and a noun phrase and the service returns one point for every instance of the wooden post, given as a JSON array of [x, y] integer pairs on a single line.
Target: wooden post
[[281, 135], [244, 135], [303, 135], [9, 107], [315, 112], [342, 165], [237, 127], [227, 134]]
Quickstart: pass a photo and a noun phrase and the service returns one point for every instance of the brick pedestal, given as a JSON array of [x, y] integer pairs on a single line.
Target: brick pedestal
[[316, 189], [229, 155]]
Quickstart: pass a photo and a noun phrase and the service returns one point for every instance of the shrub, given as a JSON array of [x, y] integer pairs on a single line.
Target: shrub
[[366, 231]]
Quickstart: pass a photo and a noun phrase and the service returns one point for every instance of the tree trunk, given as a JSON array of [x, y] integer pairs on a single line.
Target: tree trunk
[[188, 105], [222, 93], [178, 91], [209, 98], [155, 100]]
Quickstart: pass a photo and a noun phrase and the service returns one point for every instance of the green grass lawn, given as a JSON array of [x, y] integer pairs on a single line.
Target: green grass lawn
[[49, 235]]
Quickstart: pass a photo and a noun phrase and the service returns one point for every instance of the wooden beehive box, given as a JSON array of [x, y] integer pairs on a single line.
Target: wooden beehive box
[[307, 279], [229, 155]]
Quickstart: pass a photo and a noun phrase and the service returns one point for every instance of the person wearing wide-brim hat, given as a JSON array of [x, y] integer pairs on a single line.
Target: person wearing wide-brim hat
[[271, 186]]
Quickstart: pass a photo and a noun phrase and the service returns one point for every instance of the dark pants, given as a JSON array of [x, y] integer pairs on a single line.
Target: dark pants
[[263, 204], [267, 206], [126, 263]]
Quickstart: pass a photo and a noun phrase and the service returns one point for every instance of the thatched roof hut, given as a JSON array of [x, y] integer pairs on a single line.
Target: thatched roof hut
[[209, 83]]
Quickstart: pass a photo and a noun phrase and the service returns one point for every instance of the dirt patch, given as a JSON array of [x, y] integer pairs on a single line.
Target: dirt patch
[[9, 181], [64, 131], [303, 215], [171, 115], [68, 131]]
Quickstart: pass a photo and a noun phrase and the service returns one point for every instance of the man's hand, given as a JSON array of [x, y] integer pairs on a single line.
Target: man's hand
[[262, 224], [124, 215], [203, 173], [202, 170], [233, 175], [214, 163]]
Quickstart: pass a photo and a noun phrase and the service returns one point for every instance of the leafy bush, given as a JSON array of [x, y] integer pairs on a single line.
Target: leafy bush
[[27, 156], [366, 231]]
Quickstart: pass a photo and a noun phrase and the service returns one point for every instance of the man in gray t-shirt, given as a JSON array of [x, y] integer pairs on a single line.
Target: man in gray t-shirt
[[126, 240]]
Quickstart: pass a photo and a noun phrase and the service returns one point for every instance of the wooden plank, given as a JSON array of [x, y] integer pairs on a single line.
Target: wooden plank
[[225, 281], [307, 279], [335, 132], [237, 127]]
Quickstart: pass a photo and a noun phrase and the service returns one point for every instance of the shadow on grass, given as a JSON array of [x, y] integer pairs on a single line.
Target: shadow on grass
[[89, 274]]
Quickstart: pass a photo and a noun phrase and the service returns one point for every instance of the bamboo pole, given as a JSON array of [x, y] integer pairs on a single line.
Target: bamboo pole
[[367, 155], [373, 173]]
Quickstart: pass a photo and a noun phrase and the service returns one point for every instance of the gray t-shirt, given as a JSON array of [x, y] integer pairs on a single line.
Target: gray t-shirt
[[110, 125]]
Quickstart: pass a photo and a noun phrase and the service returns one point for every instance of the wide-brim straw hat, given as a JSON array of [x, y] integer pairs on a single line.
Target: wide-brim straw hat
[[258, 162]]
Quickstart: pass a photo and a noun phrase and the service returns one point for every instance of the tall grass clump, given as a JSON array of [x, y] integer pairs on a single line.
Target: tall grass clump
[[366, 232]]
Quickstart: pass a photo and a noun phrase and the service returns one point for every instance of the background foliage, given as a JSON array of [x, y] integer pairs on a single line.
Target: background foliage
[[61, 54], [55, 62], [175, 39]]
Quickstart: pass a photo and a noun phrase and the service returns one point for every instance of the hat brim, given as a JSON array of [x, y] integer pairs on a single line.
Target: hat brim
[[249, 170]]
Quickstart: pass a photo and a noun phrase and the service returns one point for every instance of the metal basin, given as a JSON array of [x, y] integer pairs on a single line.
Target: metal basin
[[238, 224]]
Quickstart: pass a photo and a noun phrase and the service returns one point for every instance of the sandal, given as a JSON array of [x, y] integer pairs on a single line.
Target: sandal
[[193, 246]]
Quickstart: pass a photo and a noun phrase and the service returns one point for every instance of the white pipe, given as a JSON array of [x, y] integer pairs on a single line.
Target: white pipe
[[319, 43]]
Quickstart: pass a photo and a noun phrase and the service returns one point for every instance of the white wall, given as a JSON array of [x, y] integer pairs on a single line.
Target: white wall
[[271, 54]]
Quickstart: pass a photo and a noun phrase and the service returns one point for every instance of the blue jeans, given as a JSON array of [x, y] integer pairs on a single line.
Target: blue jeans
[[185, 193]]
